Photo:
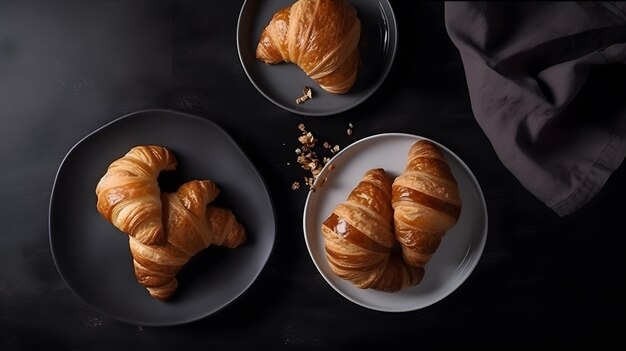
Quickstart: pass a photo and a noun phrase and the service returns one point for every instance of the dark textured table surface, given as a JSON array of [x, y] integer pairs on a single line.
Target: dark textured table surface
[[68, 67]]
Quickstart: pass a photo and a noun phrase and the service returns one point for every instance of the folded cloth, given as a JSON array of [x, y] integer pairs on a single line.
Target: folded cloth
[[547, 85]]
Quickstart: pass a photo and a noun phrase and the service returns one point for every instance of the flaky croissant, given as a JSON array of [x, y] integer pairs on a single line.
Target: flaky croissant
[[165, 229], [426, 202], [128, 195], [358, 238], [190, 226], [320, 36]]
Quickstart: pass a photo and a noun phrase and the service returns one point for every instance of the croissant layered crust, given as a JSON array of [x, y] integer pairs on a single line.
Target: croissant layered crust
[[413, 212], [426, 202], [192, 225], [129, 195], [165, 229], [358, 238], [184, 212], [320, 36]]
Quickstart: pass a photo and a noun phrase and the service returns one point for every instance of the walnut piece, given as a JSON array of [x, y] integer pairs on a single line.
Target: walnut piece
[[307, 94], [307, 157]]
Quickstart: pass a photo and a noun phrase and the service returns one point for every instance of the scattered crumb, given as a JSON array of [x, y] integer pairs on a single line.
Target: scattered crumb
[[308, 159], [307, 94]]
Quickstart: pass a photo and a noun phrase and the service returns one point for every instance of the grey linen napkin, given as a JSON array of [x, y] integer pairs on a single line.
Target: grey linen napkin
[[547, 84]]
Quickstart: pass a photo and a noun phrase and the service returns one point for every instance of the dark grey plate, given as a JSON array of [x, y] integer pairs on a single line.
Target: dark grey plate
[[93, 257], [282, 84]]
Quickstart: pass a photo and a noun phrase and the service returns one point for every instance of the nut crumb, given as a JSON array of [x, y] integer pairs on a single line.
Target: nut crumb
[[295, 185], [307, 94], [307, 157]]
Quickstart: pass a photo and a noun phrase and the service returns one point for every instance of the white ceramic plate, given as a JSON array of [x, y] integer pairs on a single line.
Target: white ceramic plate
[[282, 83], [93, 257], [460, 249]]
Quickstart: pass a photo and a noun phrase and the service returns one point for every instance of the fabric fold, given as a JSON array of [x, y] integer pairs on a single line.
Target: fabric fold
[[547, 84]]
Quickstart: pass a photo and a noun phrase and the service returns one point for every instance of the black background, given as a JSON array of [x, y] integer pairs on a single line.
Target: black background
[[68, 67]]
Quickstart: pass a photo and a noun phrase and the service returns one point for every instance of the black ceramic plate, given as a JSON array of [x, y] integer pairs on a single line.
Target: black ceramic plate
[[93, 257], [282, 84]]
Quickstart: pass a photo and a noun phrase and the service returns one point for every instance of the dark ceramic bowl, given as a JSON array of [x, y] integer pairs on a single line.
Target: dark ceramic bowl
[[283, 83]]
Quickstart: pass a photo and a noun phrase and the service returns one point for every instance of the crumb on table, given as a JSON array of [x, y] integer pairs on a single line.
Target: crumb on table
[[308, 159]]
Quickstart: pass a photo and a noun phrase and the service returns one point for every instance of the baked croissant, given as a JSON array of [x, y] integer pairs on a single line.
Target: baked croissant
[[426, 202], [358, 238], [129, 194], [320, 36], [190, 226]]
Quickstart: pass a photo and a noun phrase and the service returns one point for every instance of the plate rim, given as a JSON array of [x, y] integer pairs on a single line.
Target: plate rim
[[107, 125], [379, 82], [478, 252]]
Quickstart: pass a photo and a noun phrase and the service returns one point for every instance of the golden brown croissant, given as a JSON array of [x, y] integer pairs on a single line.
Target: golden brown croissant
[[426, 202], [358, 238], [190, 227], [320, 36], [129, 196]]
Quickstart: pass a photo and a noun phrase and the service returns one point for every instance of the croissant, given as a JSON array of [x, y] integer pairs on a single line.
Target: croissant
[[190, 226], [426, 202], [358, 238], [320, 36], [129, 195]]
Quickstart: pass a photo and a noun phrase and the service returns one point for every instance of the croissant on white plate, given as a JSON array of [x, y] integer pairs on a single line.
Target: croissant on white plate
[[426, 202], [358, 238], [320, 36]]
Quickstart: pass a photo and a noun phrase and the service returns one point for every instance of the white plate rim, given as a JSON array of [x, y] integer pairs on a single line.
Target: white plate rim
[[345, 288]]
